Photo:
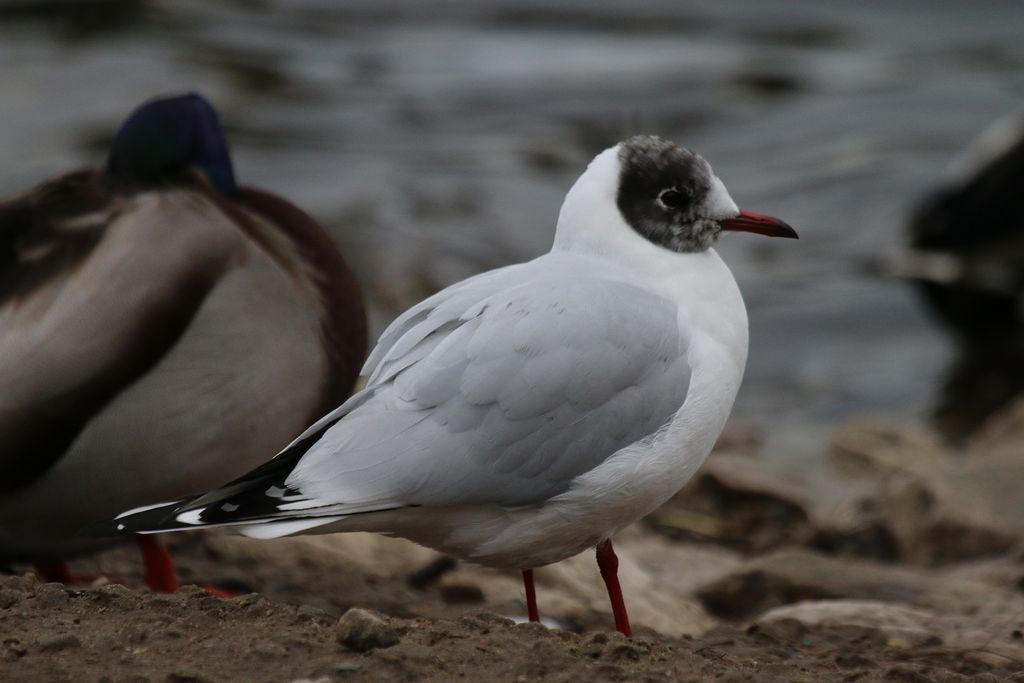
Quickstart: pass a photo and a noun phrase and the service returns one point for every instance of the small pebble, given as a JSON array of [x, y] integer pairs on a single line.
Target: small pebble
[[593, 646], [545, 651], [51, 595], [533, 628], [361, 630], [484, 621], [252, 601], [310, 612], [10, 597], [625, 651], [269, 649], [114, 594]]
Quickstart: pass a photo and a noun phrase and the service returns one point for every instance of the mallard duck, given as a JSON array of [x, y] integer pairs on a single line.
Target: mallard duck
[[161, 328]]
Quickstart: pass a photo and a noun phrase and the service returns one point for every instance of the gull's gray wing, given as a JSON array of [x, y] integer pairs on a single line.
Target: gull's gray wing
[[409, 337], [504, 393]]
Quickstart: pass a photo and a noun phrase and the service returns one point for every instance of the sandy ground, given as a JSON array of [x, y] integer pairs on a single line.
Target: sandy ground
[[115, 634], [892, 557], [420, 628]]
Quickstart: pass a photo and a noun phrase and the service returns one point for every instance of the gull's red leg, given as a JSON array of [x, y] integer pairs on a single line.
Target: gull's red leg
[[531, 596], [609, 565], [161, 574]]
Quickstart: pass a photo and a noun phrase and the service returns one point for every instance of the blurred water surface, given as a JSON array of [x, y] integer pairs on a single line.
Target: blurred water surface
[[437, 139]]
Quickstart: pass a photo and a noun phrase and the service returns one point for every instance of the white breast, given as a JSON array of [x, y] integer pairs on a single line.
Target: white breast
[[641, 477], [635, 480]]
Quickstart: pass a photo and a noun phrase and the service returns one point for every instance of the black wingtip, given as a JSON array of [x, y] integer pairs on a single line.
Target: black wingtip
[[104, 529], [245, 499], [153, 518]]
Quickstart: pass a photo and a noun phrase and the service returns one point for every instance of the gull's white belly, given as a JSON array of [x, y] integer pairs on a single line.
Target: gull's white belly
[[626, 487]]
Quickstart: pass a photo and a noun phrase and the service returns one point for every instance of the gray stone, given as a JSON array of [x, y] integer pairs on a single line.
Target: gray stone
[[931, 525], [890, 491], [977, 632], [50, 595], [362, 630], [483, 620], [310, 612], [905, 627], [785, 577], [878, 448], [10, 597]]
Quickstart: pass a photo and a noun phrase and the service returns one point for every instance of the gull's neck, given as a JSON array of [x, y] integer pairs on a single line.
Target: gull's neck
[[590, 221]]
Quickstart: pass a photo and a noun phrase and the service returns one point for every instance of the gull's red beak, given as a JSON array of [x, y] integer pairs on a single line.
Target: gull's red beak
[[748, 221]]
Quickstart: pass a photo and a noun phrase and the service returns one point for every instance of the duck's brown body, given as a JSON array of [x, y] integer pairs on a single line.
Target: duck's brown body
[[154, 344]]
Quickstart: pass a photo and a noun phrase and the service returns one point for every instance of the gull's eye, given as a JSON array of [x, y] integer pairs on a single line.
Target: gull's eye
[[671, 199]]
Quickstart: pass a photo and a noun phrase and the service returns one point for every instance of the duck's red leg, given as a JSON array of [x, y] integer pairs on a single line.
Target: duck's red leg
[[55, 571], [609, 565], [161, 574], [531, 596]]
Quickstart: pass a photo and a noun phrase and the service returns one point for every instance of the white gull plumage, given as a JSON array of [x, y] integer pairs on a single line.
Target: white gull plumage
[[523, 415]]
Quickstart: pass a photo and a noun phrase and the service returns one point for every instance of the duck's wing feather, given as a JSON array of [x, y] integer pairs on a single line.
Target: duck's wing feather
[[501, 390], [92, 295]]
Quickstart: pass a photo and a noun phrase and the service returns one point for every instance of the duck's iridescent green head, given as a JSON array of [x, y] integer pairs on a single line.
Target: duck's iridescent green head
[[165, 137]]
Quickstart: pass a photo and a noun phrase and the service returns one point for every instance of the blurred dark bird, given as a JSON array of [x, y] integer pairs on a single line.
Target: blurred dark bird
[[161, 328], [966, 256], [967, 239]]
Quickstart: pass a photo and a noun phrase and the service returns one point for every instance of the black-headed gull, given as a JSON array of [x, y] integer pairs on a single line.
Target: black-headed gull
[[160, 328], [526, 414]]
